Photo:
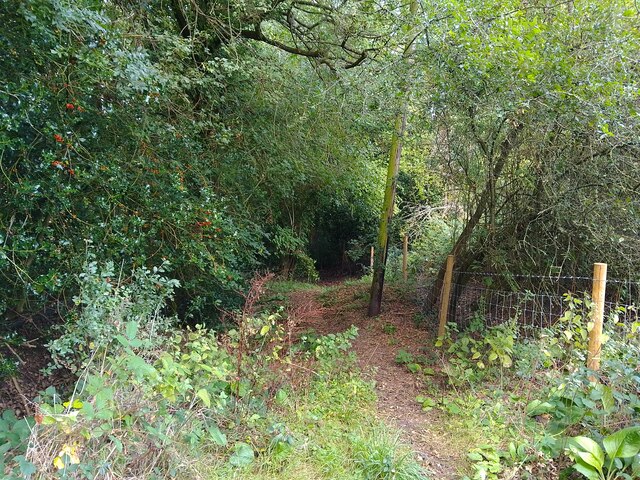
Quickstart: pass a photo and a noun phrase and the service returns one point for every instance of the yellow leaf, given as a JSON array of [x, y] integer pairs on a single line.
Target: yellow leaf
[[264, 330], [70, 452], [58, 463]]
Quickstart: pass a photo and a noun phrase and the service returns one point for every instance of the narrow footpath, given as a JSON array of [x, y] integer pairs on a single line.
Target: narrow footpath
[[335, 308]]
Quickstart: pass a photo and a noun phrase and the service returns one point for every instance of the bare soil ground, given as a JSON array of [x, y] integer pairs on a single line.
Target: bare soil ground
[[17, 392], [30, 357], [336, 308]]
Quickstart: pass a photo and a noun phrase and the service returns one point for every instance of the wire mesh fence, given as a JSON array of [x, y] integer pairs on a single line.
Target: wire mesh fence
[[534, 301]]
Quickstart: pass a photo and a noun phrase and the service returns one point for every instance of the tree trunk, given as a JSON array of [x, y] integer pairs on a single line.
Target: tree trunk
[[460, 246], [380, 262]]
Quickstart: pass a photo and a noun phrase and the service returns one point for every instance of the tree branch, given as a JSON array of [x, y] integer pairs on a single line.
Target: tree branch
[[256, 34]]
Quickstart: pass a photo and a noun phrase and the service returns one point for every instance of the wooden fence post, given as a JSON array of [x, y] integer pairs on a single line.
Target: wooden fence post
[[405, 254], [597, 295], [373, 251], [445, 296]]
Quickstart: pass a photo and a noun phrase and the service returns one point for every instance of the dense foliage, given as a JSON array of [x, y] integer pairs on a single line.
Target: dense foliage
[[150, 132], [124, 138], [155, 155], [157, 403], [535, 127]]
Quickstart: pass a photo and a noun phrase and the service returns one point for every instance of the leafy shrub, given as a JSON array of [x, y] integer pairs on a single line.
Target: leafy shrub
[[8, 367], [471, 353], [328, 350], [9, 364], [575, 397], [106, 303], [137, 407], [568, 398], [14, 435], [404, 357], [306, 268]]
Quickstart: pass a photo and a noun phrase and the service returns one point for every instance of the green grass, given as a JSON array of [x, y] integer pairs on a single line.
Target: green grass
[[288, 286], [363, 280], [337, 436], [334, 424]]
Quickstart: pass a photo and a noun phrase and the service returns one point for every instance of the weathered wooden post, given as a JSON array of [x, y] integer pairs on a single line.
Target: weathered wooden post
[[445, 296], [405, 255], [373, 251], [597, 295]]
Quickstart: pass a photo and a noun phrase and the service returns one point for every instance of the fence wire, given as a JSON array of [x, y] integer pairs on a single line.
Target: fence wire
[[533, 301]]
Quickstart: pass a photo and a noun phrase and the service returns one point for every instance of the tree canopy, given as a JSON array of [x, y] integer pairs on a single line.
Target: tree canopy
[[232, 136]]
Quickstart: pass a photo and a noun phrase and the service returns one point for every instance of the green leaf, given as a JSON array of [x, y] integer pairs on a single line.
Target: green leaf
[[624, 443], [76, 404], [264, 330], [589, 451], [131, 330], [281, 396], [217, 436], [413, 367], [242, 455], [538, 407], [608, 402], [204, 396], [589, 472], [506, 361], [475, 456], [26, 467]]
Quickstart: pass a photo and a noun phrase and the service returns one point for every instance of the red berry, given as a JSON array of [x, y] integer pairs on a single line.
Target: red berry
[[70, 106], [58, 138]]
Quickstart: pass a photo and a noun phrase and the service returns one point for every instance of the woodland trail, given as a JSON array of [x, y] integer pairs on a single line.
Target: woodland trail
[[337, 307]]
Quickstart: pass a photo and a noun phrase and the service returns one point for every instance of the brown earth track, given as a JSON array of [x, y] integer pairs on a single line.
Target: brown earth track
[[337, 308]]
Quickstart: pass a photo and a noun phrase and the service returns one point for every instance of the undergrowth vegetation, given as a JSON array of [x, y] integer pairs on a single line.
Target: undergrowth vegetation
[[526, 405], [216, 139], [155, 402]]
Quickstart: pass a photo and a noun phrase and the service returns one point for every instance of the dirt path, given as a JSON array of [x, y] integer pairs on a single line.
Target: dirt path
[[338, 307]]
